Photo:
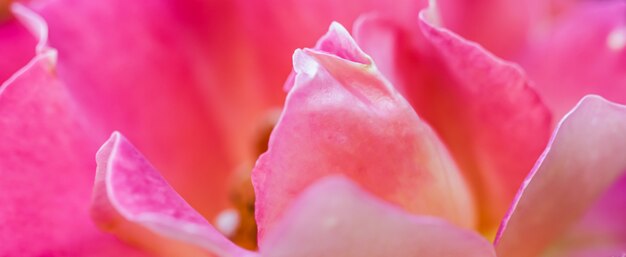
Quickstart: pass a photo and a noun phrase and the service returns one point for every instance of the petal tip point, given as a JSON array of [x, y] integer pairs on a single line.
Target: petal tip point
[[304, 63]]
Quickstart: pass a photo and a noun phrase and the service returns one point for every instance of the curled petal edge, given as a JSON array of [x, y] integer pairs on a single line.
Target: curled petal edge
[[44, 54], [150, 213], [563, 186]]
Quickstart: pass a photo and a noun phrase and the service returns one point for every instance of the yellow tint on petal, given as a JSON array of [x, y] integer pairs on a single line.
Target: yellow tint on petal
[[241, 194], [238, 223], [489, 234]]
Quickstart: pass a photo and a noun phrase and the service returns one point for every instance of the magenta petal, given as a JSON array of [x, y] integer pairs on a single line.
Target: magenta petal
[[133, 201], [584, 159], [16, 47], [334, 217], [167, 75], [595, 64], [46, 171], [484, 108], [343, 117], [46, 164]]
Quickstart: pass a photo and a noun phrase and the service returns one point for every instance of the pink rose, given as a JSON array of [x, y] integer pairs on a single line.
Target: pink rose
[[351, 169], [185, 81]]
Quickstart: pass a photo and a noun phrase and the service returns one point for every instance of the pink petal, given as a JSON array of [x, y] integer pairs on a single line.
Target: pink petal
[[559, 7], [342, 117], [501, 26], [602, 229], [608, 252], [133, 201], [46, 166], [584, 159], [16, 47], [166, 74], [484, 108], [334, 217], [595, 64], [277, 27]]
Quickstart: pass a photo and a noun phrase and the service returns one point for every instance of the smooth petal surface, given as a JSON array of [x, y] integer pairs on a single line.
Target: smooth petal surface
[[166, 74], [595, 64], [602, 230], [334, 217], [46, 166], [342, 117], [584, 159], [133, 201], [501, 26], [484, 108]]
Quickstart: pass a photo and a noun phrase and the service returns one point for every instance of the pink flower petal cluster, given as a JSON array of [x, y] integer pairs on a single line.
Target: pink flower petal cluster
[[414, 136]]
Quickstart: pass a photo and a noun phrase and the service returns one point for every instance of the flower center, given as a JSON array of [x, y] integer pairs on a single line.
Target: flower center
[[238, 223]]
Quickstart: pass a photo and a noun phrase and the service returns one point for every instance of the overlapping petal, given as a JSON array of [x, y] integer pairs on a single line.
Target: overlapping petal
[[46, 165], [342, 116], [584, 53], [164, 73], [584, 160], [277, 27], [133, 201], [16, 47], [334, 217], [484, 108], [602, 230]]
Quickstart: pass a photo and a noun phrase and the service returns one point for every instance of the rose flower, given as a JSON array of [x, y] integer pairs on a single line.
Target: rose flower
[[416, 135]]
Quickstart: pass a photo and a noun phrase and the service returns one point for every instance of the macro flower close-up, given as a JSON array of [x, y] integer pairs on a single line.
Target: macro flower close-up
[[299, 128]]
